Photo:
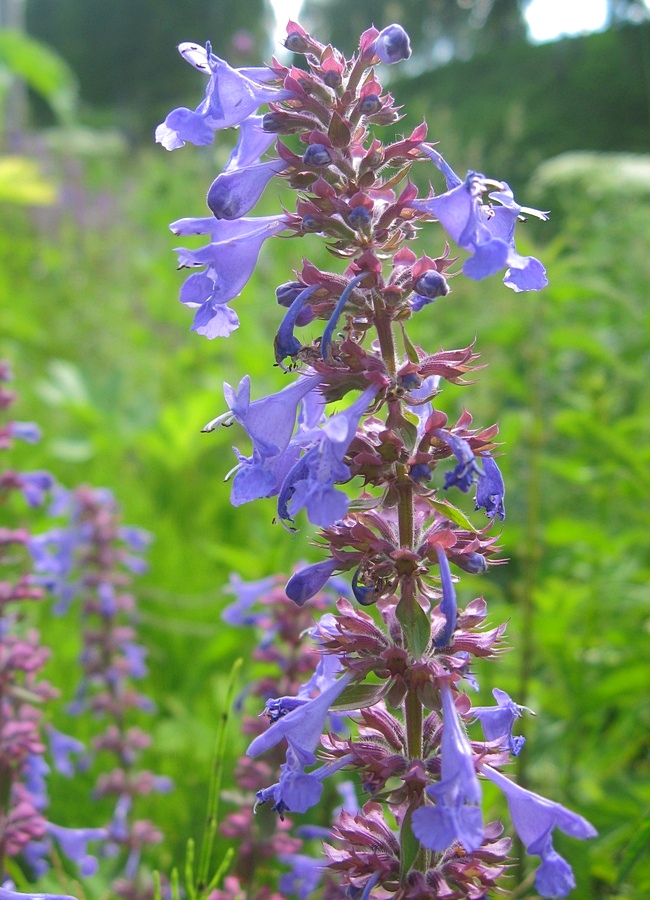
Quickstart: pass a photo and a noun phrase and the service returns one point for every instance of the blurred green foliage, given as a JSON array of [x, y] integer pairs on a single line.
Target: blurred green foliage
[[124, 51], [506, 112], [105, 363]]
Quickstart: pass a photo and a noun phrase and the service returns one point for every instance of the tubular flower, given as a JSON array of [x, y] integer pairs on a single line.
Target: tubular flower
[[236, 191], [490, 489], [310, 482], [269, 422], [229, 261], [485, 230], [302, 726], [456, 815], [309, 581], [497, 721], [534, 819], [467, 470], [231, 96]]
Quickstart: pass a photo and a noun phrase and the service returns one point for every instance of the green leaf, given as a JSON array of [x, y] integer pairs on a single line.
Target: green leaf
[[416, 625], [453, 514], [634, 851], [42, 69], [409, 845], [411, 352], [360, 696]]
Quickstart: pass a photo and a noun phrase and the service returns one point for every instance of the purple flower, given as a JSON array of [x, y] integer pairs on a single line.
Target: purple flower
[[34, 486], [392, 44], [297, 790], [456, 815], [269, 422], [286, 344], [247, 594], [302, 726], [448, 606], [467, 470], [490, 490], [35, 772], [485, 230], [497, 721], [135, 656], [25, 431], [231, 96], [229, 261], [74, 844], [304, 877], [62, 747], [236, 191], [36, 855], [252, 142], [137, 539], [309, 581], [429, 286], [329, 666], [534, 819], [310, 482]]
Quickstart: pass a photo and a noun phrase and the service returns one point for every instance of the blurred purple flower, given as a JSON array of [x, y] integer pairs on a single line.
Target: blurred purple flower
[[304, 876], [74, 844], [247, 594], [34, 486], [62, 747], [25, 431], [7, 893]]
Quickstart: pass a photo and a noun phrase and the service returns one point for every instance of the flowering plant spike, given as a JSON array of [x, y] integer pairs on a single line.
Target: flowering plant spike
[[388, 699]]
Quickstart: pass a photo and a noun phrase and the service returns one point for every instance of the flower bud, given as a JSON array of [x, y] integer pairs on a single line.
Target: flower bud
[[332, 79], [311, 224], [272, 122], [420, 472], [296, 43], [364, 594], [317, 155], [432, 284], [370, 105], [286, 293], [360, 218], [474, 563], [392, 44]]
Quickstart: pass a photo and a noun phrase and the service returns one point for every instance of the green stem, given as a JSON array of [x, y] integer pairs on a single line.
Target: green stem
[[384, 328], [413, 712], [405, 508]]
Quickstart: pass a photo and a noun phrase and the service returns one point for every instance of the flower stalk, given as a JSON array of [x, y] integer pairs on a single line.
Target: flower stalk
[[397, 655]]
